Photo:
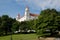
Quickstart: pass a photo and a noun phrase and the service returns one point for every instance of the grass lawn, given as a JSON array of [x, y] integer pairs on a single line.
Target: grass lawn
[[20, 37]]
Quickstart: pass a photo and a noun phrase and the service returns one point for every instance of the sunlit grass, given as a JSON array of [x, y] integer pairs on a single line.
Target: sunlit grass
[[20, 37]]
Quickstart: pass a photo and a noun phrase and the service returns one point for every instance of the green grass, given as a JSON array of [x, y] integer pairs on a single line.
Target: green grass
[[20, 37]]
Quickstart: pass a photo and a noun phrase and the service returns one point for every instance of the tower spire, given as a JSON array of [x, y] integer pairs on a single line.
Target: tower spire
[[18, 17], [27, 15]]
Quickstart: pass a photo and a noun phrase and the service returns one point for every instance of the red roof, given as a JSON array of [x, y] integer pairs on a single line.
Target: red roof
[[33, 14]]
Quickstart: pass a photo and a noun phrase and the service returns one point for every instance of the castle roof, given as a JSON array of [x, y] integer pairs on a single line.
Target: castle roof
[[31, 14]]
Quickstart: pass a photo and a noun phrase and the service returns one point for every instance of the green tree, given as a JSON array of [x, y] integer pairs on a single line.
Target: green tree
[[0, 26], [15, 26], [26, 25], [6, 23], [58, 22], [47, 22], [31, 24]]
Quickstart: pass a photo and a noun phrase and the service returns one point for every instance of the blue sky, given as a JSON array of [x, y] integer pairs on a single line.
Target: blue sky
[[13, 7]]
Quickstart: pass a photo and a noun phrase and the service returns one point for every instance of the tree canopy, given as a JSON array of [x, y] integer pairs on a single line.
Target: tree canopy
[[48, 22], [5, 24]]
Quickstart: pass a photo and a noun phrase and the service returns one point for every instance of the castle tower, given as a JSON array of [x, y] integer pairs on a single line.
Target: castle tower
[[18, 17], [27, 13]]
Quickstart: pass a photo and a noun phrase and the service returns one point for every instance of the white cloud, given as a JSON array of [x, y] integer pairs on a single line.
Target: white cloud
[[46, 3], [43, 4]]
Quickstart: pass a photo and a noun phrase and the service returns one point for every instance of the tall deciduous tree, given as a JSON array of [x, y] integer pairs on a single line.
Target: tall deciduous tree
[[6, 24], [47, 22]]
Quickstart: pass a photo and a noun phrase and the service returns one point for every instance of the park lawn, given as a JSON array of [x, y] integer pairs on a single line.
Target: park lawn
[[20, 37]]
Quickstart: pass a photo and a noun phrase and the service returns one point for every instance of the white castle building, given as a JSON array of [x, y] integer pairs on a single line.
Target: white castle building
[[27, 16]]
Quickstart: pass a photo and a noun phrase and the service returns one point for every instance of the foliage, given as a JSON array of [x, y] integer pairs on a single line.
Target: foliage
[[15, 26], [24, 26], [6, 24], [47, 24]]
